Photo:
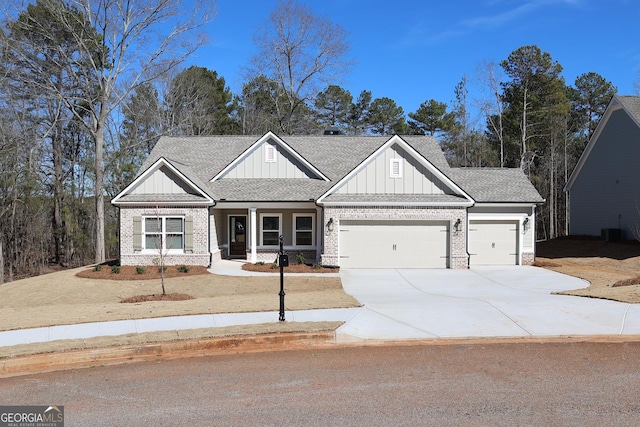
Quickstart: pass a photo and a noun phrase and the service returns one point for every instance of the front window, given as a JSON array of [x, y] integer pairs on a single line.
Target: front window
[[303, 229], [271, 229], [164, 233]]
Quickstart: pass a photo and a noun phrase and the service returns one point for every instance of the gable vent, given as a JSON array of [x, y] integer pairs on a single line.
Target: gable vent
[[395, 167], [269, 153]]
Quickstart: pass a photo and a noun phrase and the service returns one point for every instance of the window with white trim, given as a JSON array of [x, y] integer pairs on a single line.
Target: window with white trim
[[304, 229], [270, 229], [163, 232], [395, 168], [269, 153]]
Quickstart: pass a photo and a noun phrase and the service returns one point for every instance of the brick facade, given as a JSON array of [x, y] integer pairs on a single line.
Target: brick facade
[[200, 254], [458, 257]]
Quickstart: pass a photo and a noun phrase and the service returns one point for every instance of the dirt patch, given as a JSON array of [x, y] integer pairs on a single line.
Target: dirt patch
[[607, 267], [291, 268], [131, 272]]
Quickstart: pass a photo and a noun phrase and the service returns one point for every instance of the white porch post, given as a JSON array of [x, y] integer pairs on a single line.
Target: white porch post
[[254, 236]]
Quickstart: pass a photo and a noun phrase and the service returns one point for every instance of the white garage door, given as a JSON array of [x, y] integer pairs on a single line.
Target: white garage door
[[394, 244], [493, 243]]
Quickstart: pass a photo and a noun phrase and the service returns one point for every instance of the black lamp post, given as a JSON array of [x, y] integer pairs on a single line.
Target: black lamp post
[[283, 261]]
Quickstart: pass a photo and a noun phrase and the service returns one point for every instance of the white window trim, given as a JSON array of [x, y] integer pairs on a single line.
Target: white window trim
[[164, 235], [262, 215], [312, 231], [270, 153], [393, 165]]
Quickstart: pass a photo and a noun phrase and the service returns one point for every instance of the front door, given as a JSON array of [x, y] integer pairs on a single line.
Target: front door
[[238, 236]]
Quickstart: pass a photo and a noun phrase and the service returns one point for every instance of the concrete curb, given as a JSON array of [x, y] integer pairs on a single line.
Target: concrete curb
[[87, 358]]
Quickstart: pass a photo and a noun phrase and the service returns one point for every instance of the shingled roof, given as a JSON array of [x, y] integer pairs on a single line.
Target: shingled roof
[[204, 157]]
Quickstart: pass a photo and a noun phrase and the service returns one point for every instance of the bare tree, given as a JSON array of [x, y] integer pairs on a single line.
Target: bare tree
[[299, 51], [488, 76], [139, 41]]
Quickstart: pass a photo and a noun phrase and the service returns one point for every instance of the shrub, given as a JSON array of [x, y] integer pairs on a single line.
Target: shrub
[[140, 269], [316, 266], [274, 266], [115, 269], [162, 268], [300, 258], [260, 263], [97, 267], [183, 268]]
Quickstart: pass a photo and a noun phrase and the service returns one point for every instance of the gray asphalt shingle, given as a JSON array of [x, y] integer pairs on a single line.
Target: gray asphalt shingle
[[202, 158]]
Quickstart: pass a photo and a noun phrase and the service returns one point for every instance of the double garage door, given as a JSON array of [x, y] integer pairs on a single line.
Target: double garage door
[[493, 243], [394, 244]]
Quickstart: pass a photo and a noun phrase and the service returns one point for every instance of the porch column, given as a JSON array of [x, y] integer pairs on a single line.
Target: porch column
[[254, 235]]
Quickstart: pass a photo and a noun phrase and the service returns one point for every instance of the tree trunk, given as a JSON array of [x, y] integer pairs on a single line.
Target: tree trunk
[[1, 264], [99, 186]]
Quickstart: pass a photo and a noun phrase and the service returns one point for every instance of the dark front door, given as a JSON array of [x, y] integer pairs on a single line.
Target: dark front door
[[238, 236]]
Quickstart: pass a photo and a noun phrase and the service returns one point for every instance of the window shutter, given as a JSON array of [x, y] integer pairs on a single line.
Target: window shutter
[[137, 233], [188, 234]]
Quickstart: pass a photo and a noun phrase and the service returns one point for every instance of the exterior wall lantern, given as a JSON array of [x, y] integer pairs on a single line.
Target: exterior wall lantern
[[458, 225], [525, 225], [330, 225]]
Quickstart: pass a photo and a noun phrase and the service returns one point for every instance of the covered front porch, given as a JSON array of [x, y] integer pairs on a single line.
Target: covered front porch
[[251, 231]]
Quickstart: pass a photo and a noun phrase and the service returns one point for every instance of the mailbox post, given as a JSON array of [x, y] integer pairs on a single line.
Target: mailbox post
[[283, 261]]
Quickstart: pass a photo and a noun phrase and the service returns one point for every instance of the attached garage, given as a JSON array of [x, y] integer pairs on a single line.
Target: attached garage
[[394, 244], [493, 242]]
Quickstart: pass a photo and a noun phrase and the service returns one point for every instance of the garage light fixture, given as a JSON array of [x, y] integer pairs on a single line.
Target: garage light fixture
[[458, 225], [330, 225], [525, 224]]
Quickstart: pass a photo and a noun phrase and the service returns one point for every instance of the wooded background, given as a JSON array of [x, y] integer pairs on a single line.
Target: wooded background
[[87, 87]]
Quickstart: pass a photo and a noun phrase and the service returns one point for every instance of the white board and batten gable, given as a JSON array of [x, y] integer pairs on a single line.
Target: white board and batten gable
[[162, 179], [396, 168], [270, 157]]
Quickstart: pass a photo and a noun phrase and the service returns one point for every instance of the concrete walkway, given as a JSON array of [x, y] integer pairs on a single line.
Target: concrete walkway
[[409, 304]]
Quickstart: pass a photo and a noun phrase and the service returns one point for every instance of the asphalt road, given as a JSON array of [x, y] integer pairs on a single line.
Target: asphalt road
[[572, 384]]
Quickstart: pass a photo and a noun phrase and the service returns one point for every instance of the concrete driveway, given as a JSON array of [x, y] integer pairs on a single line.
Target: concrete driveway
[[480, 302]]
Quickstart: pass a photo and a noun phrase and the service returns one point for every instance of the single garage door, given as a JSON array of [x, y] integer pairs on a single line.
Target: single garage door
[[394, 244], [493, 243]]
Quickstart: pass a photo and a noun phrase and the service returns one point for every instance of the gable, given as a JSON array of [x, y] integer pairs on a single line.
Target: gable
[[614, 145], [162, 181], [394, 171], [270, 158]]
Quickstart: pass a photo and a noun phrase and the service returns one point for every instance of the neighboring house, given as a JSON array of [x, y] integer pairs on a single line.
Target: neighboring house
[[352, 202], [604, 188]]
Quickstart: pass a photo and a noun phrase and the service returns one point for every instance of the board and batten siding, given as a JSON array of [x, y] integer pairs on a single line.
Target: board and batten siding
[[254, 165], [375, 177], [162, 181], [606, 193]]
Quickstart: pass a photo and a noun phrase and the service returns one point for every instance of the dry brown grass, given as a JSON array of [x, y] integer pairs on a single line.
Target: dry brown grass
[[609, 267]]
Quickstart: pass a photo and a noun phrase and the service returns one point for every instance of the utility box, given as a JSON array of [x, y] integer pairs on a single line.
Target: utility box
[[611, 234]]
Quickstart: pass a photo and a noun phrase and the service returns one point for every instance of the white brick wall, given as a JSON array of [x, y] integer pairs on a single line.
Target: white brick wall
[[201, 254], [458, 258]]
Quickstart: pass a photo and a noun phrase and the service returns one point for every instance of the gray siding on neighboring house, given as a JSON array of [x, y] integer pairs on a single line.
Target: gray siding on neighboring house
[[375, 177], [606, 193], [254, 165]]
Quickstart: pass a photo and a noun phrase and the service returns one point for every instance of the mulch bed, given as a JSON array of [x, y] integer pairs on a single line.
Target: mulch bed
[[627, 282], [157, 297], [130, 272], [292, 268]]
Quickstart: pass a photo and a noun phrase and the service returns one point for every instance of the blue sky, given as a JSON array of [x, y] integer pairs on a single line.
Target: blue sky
[[412, 51]]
